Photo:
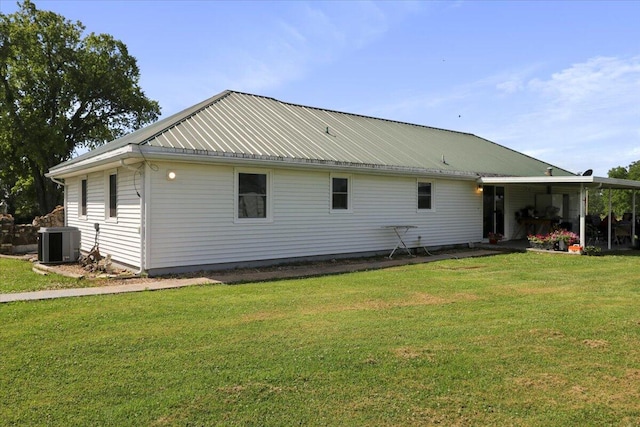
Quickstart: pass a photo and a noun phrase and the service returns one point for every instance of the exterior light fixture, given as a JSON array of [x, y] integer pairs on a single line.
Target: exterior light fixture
[[480, 189], [171, 175]]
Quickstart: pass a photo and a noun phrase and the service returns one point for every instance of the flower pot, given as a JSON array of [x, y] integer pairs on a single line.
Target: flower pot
[[493, 241], [575, 249]]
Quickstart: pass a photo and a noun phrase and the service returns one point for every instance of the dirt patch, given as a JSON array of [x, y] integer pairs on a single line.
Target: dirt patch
[[596, 343], [262, 316], [543, 381], [466, 267], [540, 290], [547, 333], [410, 353]]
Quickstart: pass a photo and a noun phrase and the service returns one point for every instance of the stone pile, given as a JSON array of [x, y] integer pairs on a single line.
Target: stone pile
[[55, 218], [6, 234], [23, 238]]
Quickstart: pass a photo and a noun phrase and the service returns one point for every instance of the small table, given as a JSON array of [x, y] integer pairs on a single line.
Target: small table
[[534, 225], [401, 231]]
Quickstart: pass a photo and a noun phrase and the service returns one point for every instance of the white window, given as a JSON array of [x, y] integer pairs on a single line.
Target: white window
[[111, 196], [425, 195], [82, 211], [341, 193], [253, 195]]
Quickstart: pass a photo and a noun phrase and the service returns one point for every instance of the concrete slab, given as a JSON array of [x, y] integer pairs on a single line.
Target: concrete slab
[[105, 290]]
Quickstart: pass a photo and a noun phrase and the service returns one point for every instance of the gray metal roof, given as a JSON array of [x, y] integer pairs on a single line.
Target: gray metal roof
[[245, 125]]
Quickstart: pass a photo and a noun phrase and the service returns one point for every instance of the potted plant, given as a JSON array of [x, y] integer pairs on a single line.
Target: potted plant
[[592, 250], [540, 241], [562, 239], [494, 238]]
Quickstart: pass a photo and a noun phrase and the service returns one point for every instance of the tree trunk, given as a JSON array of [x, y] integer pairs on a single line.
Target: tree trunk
[[48, 193]]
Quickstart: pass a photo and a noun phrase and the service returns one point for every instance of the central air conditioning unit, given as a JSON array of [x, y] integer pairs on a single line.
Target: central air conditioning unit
[[58, 245]]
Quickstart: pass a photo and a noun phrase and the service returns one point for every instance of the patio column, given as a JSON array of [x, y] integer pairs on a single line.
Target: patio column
[[583, 212], [633, 219], [609, 221]]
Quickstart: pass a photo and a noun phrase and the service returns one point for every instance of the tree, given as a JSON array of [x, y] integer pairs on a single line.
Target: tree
[[622, 200], [59, 91]]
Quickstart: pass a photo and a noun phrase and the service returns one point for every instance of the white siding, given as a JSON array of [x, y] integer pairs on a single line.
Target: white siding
[[119, 237], [191, 219]]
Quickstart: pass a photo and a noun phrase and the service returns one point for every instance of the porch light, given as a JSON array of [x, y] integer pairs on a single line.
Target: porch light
[[171, 175], [480, 189]]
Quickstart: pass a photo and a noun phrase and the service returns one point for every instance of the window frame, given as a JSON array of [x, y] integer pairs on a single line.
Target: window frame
[[109, 197], [83, 198], [349, 179], [432, 186], [269, 196]]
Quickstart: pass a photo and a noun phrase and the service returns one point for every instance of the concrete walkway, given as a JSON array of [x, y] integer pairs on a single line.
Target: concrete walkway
[[104, 290], [244, 276]]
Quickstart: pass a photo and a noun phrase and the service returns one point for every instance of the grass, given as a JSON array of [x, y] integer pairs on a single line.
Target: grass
[[519, 339], [16, 275]]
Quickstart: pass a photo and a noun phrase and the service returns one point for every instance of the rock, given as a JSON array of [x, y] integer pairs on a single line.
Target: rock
[[53, 219]]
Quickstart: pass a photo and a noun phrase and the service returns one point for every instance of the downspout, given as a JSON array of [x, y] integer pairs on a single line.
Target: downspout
[[141, 194], [64, 186], [56, 181]]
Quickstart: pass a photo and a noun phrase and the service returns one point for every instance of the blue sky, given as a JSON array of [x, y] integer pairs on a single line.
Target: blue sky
[[559, 81]]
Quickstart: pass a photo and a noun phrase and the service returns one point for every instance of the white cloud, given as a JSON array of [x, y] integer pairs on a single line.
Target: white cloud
[[584, 116], [510, 86], [597, 78], [286, 49]]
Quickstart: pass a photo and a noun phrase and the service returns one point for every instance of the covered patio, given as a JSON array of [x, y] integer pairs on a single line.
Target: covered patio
[[518, 193]]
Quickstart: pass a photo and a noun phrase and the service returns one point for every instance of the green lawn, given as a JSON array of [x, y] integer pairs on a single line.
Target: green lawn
[[16, 275], [520, 339]]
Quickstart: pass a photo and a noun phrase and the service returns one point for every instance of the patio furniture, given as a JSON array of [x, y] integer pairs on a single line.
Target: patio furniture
[[400, 231]]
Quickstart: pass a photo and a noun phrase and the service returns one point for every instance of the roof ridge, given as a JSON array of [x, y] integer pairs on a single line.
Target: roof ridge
[[186, 114], [282, 137]]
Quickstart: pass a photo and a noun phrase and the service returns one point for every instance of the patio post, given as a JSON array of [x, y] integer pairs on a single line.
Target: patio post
[[583, 210], [609, 221], [633, 219]]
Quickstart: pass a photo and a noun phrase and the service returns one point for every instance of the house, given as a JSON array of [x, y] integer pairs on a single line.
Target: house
[[241, 179]]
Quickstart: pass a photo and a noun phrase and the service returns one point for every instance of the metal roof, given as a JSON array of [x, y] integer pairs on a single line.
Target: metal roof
[[235, 124]]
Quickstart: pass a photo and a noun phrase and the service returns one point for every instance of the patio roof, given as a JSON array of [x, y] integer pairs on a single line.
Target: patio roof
[[586, 181], [583, 182]]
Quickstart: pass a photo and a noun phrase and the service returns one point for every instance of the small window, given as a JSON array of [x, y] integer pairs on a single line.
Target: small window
[[340, 195], [113, 196], [83, 197], [252, 195], [425, 201]]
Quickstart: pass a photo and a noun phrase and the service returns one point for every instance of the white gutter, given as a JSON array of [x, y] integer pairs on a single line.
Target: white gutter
[[96, 163], [142, 153], [56, 181]]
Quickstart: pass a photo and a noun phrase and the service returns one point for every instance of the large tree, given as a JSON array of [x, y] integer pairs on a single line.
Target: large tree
[[60, 90], [622, 200]]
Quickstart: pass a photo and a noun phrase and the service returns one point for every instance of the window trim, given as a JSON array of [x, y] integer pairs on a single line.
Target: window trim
[[108, 196], [349, 179], [83, 196], [236, 195], [432, 208]]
